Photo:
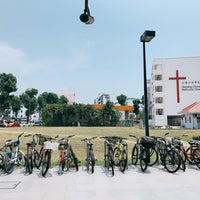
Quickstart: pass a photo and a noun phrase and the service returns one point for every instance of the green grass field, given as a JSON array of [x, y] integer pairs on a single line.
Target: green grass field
[[83, 132]]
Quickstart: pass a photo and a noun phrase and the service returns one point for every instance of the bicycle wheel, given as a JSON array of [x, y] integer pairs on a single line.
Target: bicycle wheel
[[172, 161], [36, 159], [182, 154], [29, 164], [116, 154], [123, 161], [72, 161], [8, 166], [1, 161], [182, 165], [20, 159], [196, 157], [90, 162], [134, 155], [143, 159], [153, 154], [61, 163], [189, 156], [110, 164], [46, 160]]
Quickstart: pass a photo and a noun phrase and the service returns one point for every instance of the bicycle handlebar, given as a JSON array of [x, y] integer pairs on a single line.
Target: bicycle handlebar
[[88, 139], [20, 135]]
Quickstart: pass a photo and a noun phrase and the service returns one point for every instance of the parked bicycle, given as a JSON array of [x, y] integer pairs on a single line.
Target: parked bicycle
[[45, 152], [190, 154], [121, 153], [109, 143], [90, 158], [12, 154], [1, 161], [169, 157], [32, 155], [68, 159], [144, 151]]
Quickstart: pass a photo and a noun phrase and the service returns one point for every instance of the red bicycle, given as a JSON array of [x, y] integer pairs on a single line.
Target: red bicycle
[[190, 154], [68, 159]]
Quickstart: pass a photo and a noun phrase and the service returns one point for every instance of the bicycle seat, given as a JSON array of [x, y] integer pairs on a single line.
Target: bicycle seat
[[194, 142], [29, 143]]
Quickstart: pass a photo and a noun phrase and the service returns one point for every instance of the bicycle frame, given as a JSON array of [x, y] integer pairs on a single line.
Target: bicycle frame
[[15, 150]]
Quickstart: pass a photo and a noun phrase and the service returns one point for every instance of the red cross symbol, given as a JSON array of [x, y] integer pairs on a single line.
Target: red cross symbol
[[177, 78]]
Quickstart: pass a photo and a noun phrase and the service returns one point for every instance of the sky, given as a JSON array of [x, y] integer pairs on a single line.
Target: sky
[[45, 45]]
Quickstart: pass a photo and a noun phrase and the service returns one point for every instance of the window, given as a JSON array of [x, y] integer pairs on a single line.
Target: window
[[159, 111], [159, 100], [158, 88], [190, 119], [158, 77]]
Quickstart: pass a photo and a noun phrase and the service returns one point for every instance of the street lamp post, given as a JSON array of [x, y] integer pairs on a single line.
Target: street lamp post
[[147, 36]]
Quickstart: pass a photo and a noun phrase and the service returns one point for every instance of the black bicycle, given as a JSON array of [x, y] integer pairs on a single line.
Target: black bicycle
[[109, 143], [144, 151], [148, 153], [32, 155], [169, 157], [90, 159]]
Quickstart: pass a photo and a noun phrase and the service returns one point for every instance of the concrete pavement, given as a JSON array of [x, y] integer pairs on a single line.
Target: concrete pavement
[[154, 184]]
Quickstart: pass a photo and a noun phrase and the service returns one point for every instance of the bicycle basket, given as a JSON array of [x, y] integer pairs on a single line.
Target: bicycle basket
[[63, 145], [51, 145], [147, 141]]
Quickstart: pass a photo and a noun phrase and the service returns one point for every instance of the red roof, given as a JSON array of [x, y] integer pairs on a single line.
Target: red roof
[[193, 108]]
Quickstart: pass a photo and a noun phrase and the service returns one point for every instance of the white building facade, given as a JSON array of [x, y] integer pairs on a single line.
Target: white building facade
[[104, 97], [175, 84]]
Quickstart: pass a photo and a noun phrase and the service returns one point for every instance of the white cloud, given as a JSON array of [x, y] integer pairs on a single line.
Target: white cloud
[[39, 73], [15, 60]]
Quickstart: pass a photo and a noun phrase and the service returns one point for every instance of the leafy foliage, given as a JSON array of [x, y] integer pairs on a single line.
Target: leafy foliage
[[79, 114], [8, 84], [122, 99], [29, 101]]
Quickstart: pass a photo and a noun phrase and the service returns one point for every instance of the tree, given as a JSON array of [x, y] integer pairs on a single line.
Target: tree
[[121, 99], [16, 104], [63, 100], [8, 84], [29, 101], [48, 98], [136, 106], [109, 115]]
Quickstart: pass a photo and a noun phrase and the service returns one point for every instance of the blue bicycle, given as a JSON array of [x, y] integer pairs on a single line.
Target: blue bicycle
[[12, 154]]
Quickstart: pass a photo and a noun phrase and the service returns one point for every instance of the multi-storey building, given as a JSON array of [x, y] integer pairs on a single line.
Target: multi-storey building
[[175, 84], [104, 97]]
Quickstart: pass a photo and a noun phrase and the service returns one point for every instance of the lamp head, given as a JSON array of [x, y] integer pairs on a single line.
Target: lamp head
[[86, 18], [147, 36]]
